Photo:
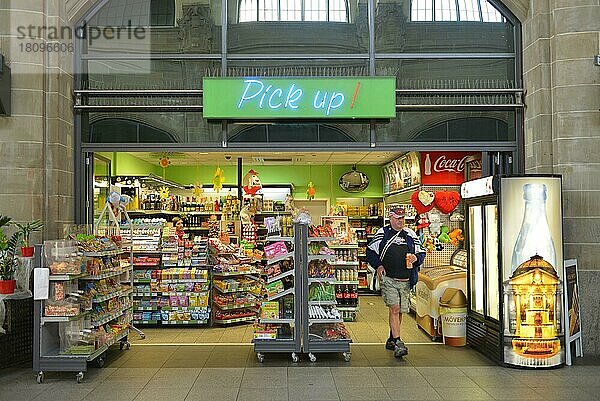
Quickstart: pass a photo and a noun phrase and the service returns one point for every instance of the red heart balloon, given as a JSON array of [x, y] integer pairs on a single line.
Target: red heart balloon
[[419, 206], [446, 201]]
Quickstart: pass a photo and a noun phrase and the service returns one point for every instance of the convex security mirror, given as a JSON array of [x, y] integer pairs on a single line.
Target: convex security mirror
[[354, 181]]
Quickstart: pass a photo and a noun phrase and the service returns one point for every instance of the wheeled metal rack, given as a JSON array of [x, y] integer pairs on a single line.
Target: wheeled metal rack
[[47, 329], [292, 345], [302, 341], [312, 344]]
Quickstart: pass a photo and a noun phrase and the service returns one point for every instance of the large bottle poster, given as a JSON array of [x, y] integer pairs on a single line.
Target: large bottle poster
[[532, 268]]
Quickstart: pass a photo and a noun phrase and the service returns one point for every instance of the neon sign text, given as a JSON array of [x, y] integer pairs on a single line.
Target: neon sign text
[[256, 92]]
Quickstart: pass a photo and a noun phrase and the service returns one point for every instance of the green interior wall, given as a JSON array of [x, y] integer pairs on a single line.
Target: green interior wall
[[325, 178], [125, 164]]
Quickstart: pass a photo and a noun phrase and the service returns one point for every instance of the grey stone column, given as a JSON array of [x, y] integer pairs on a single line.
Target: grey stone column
[[562, 131], [36, 175]]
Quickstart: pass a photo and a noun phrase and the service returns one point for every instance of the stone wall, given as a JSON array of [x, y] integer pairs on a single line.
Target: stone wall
[[36, 149], [562, 130]]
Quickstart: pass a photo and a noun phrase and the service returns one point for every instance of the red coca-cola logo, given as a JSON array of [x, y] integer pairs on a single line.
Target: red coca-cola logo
[[443, 163], [447, 168]]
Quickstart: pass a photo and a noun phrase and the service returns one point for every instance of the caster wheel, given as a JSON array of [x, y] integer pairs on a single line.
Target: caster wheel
[[295, 357], [124, 345], [260, 357], [79, 377], [312, 357], [100, 361], [347, 356], [40, 377]]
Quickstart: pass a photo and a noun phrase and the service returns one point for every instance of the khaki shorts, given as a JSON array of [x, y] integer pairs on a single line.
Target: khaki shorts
[[396, 292]]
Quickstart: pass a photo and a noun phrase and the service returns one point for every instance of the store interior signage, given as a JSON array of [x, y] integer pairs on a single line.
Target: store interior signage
[[448, 168], [479, 187], [299, 98], [402, 173]]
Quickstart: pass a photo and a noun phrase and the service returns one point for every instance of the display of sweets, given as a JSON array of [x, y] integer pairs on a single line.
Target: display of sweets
[[320, 268]]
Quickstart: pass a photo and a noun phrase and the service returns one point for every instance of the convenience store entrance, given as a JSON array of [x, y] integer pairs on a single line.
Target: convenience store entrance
[[215, 276]]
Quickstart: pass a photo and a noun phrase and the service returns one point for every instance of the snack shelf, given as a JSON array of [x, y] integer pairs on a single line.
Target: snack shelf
[[183, 308], [325, 239], [280, 276], [352, 263], [111, 295], [348, 308], [58, 319], [66, 277], [183, 322], [364, 217], [179, 293], [110, 316], [321, 257], [145, 322], [315, 321], [145, 294], [142, 281], [345, 246], [148, 251], [112, 252], [145, 308], [240, 273], [234, 306], [321, 280], [197, 228], [104, 347], [236, 320], [108, 274], [346, 282], [145, 266], [244, 289], [331, 302], [277, 321], [181, 280], [280, 258], [281, 294], [275, 239]]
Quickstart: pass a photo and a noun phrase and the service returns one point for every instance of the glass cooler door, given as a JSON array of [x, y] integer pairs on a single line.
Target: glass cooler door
[[476, 260]]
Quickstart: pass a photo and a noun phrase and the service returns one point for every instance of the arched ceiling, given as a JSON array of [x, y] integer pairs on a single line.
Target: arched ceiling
[[76, 9]]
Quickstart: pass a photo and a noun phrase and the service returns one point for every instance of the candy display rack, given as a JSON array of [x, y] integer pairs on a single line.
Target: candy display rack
[[86, 310], [317, 324], [278, 327], [322, 324]]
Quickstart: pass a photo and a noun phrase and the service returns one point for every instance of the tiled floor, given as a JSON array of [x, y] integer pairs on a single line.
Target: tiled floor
[[371, 326], [151, 371]]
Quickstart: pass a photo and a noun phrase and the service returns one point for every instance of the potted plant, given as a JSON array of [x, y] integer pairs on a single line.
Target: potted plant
[[26, 229], [8, 262]]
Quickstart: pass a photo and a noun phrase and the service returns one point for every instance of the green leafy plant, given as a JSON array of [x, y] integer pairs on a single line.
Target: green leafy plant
[[27, 228], [8, 246]]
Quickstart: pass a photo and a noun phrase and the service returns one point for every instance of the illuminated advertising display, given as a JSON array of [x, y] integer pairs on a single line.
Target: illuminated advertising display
[[532, 271], [266, 98]]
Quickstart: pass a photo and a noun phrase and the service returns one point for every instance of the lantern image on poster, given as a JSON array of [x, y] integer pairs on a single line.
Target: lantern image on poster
[[534, 294]]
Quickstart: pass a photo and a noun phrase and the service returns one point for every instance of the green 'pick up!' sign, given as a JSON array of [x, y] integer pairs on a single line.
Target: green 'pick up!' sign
[[256, 98]]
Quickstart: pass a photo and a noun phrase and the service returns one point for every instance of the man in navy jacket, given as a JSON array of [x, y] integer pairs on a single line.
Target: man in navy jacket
[[396, 254]]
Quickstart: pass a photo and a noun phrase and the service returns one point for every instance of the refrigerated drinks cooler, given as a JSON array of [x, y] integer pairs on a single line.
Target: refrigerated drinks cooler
[[515, 269]]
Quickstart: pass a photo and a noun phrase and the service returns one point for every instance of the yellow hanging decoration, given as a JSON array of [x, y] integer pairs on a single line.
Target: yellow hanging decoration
[[198, 190], [218, 180], [163, 192]]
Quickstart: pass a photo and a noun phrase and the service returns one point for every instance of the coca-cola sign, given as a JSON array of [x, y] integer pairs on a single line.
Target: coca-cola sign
[[448, 168]]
